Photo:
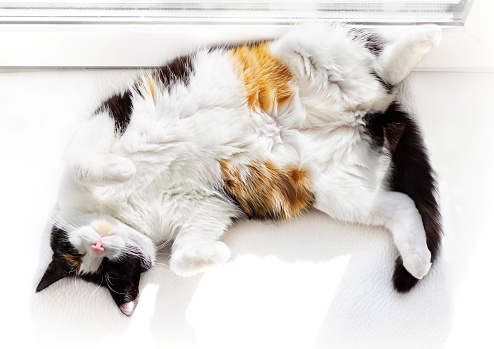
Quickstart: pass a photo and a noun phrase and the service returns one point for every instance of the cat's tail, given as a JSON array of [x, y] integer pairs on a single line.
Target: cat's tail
[[412, 175]]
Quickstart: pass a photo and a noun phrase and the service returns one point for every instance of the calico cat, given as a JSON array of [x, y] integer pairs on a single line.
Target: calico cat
[[264, 130]]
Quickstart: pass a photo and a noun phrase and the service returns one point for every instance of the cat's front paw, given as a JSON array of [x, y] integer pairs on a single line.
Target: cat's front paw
[[117, 169], [104, 170], [426, 37], [198, 258]]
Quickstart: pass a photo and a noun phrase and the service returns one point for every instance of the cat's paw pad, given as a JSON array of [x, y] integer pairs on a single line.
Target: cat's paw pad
[[418, 263], [427, 37], [199, 258]]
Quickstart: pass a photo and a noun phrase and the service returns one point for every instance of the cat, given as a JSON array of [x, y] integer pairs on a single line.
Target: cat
[[262, 130]]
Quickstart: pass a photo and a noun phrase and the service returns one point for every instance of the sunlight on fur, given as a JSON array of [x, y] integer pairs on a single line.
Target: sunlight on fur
[[261, 130]]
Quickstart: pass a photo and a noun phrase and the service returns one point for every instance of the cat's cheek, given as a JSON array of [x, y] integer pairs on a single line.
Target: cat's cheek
[[82, 239], [114, 246]]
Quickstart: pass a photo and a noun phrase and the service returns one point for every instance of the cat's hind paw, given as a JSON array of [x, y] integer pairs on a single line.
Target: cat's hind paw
[[426, 37], [417, 262], [199, 258], [417, 267]]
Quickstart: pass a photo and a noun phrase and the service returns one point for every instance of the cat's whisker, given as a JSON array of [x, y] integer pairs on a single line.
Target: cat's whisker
[[108, 283], [157, 263], [95, 290]]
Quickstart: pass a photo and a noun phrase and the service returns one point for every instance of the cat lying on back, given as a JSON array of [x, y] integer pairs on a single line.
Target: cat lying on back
[[265, 130]]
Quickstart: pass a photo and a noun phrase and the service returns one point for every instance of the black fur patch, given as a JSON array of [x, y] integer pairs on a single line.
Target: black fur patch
[[412, 175], [371, 41], [59, 242], [119, 106], [233, 46], [178, 70], [121, 276], [65, 262], [387, 86]]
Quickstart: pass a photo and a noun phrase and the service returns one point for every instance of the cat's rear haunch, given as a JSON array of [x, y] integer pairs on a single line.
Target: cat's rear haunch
[[264, 130]]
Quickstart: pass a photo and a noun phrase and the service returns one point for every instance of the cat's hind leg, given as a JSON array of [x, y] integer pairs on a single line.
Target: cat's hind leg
[[392, 210], [398, 213], [90, 156], [399, 58]]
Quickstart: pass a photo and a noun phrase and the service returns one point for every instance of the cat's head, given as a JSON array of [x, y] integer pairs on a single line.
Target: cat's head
[[101, 250]]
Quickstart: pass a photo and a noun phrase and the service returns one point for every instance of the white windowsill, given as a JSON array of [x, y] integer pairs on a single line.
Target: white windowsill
[[119, 46]]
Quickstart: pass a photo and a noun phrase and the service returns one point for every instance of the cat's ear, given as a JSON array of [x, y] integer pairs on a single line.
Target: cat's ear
[[56, 270], [125, 293]]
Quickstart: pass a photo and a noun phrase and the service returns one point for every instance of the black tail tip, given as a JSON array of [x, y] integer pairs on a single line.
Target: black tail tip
[[403, 281]]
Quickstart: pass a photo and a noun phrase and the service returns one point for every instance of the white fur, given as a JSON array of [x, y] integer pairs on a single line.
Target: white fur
[[398, 59], [159, 180]]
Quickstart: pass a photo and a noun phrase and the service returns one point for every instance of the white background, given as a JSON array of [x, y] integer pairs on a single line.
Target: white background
[[309, 283]]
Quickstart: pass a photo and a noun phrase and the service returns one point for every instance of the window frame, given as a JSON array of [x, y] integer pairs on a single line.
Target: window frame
[[465, 48], [231, 12]]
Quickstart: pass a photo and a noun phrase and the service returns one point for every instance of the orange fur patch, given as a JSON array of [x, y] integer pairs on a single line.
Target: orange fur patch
[[73, 260], [263, 190], [150, 85], [266, 80]]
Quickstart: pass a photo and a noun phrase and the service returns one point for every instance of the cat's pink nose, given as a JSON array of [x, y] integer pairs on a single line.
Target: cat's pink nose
[[98, 246]]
